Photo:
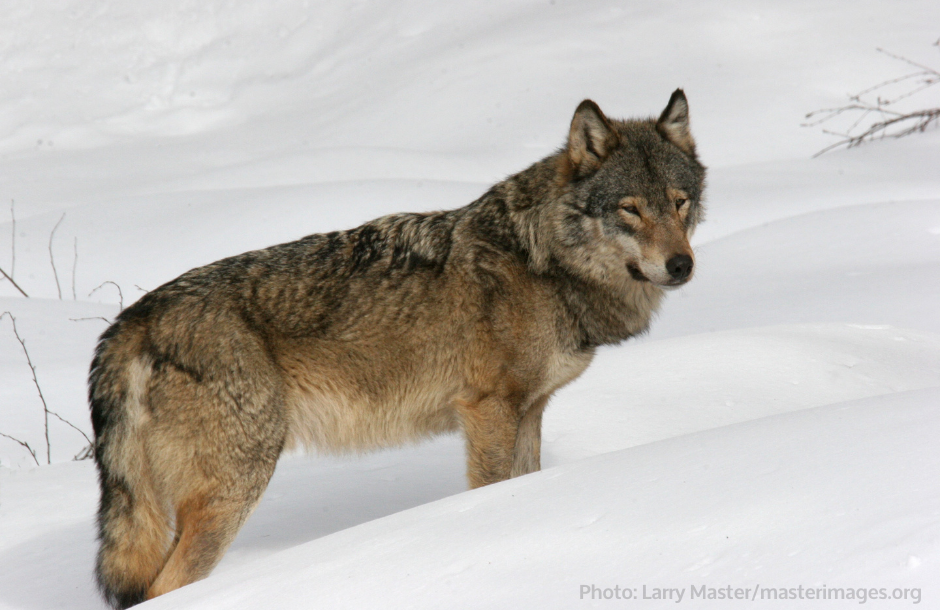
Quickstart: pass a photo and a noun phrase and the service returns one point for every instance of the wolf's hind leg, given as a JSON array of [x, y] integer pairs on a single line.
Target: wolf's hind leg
[[205, 529], [215, 444], [211, 508], [526, 455]]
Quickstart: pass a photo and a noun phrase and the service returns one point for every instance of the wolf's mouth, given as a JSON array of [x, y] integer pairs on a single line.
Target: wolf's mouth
[[675, 283], [636, 274]]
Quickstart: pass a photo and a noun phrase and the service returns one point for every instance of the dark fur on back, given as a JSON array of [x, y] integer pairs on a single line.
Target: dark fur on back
[[407, 326]]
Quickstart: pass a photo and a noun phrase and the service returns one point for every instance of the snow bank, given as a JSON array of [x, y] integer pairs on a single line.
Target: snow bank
[[838, 496]]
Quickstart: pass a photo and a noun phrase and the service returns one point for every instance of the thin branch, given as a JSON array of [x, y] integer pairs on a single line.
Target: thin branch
[[893, 81], [23, 443], [879, 129], [884, 121], [74, 267], [68, 423], [120, 294], [13, 239], [29, 361], [45, 407], [103, 319], [144, 290], [834, 112], [908, 61], [23, 292], [52, 258], [923, 86], [85, 454]]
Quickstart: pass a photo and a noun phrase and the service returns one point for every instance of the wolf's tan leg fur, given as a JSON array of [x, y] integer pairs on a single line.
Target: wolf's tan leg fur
[[216, 443], [490, 425], [526, 456], [204, 531]]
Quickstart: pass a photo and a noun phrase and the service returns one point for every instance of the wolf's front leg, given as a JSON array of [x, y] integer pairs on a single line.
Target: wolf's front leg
[[527, 452], [490, 425]]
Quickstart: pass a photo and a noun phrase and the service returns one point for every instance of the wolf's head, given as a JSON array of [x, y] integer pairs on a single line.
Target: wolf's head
[[632, 196]]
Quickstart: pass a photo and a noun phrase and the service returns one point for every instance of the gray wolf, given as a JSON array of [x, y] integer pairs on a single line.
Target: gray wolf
[[405, 327]]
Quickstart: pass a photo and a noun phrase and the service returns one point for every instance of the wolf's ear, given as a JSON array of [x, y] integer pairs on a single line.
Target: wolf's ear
[[673, 123], [591, 138]]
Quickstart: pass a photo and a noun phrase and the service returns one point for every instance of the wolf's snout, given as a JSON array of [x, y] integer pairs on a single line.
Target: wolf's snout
[[679, 267]]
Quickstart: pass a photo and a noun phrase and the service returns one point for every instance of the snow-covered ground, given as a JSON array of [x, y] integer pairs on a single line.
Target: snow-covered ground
[[776, 431]]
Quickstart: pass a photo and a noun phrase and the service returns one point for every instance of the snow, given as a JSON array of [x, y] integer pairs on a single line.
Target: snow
[[775, 429], [625, 518]]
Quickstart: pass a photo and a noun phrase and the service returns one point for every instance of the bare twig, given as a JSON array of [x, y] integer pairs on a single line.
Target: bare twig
[[887, 122], [23, 443], [13, 249], [908, 61], [13, 239], [144, 290], [103, 319], [120, 294], [85, 454], [68, 423], [45, 408], [917, 121], [23, 292], [74, 268], [52, 258]]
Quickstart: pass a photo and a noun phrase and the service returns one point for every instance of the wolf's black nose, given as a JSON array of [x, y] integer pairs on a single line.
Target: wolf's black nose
[[679, 266]]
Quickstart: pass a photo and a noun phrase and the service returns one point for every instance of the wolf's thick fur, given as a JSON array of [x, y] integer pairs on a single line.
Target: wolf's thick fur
[[408, 326]]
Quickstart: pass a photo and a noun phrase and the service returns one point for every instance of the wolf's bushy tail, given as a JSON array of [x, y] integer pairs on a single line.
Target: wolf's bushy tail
[[133, 522]]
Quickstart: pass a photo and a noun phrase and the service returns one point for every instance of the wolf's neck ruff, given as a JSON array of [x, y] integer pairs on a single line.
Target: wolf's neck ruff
[[405, 327], [547, 237]]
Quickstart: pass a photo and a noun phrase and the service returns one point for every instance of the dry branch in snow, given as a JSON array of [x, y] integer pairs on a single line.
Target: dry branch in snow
[[878, 118], [52, 258], [23, 443], [13, 251], [120, 293], [74, 268], [17, 286], [45, 407]]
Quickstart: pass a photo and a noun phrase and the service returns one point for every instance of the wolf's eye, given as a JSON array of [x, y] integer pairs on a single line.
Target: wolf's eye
[[631, 209], [680, 203]]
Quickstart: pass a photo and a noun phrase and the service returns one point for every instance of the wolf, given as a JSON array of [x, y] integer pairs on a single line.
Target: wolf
[[408, 326]]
